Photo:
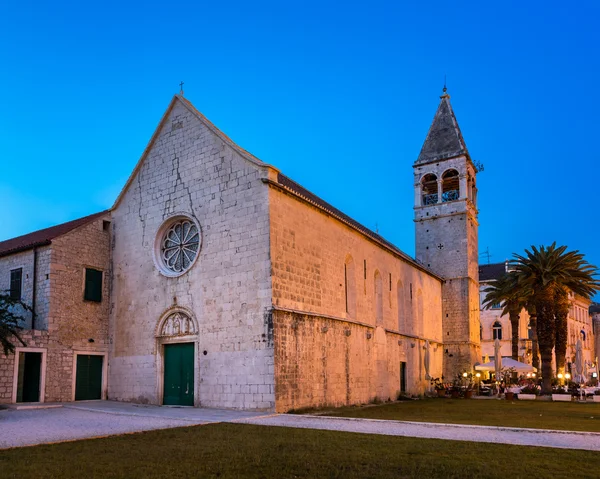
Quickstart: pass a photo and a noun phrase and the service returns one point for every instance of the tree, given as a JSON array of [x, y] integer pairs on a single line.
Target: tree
[[513, 299], [549, 272], [11, 316]]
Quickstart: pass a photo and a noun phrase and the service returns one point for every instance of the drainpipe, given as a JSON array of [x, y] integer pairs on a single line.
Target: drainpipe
[[33, 288]]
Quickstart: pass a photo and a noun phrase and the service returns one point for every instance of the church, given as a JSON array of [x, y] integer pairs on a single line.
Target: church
[[217, 281]]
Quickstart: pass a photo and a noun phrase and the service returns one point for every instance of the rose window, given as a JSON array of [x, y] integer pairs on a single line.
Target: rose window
[[179, 246]]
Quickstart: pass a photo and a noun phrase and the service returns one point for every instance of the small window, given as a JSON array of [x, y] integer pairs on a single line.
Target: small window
[[16, 280], [93, 285], [497, 330]]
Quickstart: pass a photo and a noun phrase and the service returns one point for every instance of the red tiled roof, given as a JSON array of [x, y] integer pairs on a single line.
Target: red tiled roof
[[43, 237]]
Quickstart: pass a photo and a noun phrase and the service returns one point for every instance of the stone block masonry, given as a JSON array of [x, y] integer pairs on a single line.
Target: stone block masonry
[[191, 170], [64, 321]]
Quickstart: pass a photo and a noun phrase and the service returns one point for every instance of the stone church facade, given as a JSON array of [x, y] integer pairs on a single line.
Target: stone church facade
[[217, 281]]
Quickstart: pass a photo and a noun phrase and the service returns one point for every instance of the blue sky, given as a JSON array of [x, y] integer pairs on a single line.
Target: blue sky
[[339, 96]]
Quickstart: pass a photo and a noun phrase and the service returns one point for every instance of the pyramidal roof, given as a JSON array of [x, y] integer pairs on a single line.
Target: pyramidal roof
[[444, 139]]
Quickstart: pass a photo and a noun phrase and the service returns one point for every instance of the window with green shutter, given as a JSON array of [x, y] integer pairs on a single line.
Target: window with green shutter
[[93, 285], [16, 280]]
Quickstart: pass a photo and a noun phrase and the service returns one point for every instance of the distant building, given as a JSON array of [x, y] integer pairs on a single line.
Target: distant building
[[496, 325]]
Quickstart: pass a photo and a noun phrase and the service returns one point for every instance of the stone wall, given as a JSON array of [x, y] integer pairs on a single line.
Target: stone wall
[[76, 324], [64, 322], [24, 260], [190, 169], [348, 283], [446, 236], [33, 339], [322, 361]]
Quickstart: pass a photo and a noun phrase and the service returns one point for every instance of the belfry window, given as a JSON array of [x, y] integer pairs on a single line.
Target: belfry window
[[497, 331], [429, 189], [450, 186]]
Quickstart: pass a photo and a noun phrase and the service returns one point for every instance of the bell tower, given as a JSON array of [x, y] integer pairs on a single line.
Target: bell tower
[[446, 234]]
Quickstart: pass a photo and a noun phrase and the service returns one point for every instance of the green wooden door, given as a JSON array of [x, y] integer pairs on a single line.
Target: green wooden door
[[179, 374], [30, 369], [88, 379]]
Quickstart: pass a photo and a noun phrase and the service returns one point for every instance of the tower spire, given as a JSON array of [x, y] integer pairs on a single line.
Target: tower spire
[[444, 139]]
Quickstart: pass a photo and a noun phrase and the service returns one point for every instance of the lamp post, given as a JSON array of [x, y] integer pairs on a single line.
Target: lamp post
[[560, 377], [478, 376]]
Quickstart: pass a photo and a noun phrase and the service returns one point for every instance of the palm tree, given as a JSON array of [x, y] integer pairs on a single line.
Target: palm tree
[[549, 272], [10, 318], [506, 291]]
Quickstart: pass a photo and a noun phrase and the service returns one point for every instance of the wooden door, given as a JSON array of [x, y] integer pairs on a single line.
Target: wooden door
[[88, 378], [179, 374], [30, 373]]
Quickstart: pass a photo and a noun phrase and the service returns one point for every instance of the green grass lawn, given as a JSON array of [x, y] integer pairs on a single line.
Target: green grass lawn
[[238, 450], [492, 412]]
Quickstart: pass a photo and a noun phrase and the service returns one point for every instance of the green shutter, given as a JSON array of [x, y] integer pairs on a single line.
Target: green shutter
[[93, 285], [16, 279]]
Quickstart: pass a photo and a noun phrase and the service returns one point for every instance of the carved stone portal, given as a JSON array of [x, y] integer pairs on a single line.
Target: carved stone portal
[[177, 324]]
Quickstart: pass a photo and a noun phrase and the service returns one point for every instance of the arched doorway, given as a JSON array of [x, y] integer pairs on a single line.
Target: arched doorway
[[176, 337]]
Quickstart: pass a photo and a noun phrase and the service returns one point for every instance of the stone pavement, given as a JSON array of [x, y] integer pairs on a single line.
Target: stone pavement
[[90, 419], [81, 420]]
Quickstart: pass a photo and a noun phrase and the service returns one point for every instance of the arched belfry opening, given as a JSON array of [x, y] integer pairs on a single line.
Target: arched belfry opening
[[429, 189], [450, 186]]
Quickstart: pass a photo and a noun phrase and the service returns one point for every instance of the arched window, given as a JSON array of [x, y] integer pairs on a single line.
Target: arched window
[[350, 287], [429, 189], [450, 186], [401, 311], [497, 331], [378, 299]]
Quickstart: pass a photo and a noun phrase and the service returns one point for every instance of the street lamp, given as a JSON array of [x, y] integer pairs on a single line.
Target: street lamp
[[478, 376], [560, 377]]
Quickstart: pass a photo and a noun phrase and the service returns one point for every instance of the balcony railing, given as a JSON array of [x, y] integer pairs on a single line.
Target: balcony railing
[[430, 199], [449, 196]]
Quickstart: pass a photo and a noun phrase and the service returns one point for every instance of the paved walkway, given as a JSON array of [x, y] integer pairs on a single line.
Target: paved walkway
[[457, 432], [83, 420]]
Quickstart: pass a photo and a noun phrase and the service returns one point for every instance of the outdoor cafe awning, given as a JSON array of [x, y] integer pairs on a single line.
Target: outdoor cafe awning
[[507, 363]]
